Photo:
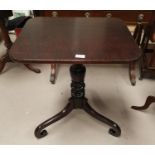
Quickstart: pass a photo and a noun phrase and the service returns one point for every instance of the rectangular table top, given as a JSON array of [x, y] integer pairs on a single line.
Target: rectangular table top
[[62, 40]]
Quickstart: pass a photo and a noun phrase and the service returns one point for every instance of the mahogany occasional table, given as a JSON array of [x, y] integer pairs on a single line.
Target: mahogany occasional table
[[76, 41]]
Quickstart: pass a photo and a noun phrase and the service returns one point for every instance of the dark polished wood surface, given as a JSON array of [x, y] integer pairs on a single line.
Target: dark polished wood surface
[[57, 40]]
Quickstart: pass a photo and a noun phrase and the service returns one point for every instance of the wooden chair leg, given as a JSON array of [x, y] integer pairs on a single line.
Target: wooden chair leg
[[149, 101], [141, 69], [3, 61], [5, 35], [7, 43], [132, 73], [30, 67], [53, 73]]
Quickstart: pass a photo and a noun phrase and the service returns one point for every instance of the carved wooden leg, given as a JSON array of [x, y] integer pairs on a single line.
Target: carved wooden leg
[[5, 35], [149, 100], [132, 73], [40, 132], [30, 67], [53, 73], [3, 61], [7, 43], [114, 130]]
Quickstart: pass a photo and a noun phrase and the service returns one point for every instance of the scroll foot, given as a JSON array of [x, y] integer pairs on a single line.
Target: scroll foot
[[40, 132], [114, 130]]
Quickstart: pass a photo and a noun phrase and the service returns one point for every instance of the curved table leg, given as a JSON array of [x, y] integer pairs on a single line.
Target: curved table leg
[[30, 67], [53, 73], [114, 130], [149, 100], [40, 132], [132, 73]]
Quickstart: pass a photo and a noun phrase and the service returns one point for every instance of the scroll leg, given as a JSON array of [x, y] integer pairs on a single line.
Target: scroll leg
[[53, 73], [36, 70], [114, 130], [149, 100], [40, 132], [132, 73]]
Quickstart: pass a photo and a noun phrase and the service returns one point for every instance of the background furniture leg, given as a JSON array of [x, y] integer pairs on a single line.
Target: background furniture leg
[[132, 73], [149, 100], [7, 43], [30, 67], [5, 35], [53, 73], [3, 61]]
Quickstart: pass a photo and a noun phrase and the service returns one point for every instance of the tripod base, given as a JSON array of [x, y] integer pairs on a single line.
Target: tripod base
[[77, 101]]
